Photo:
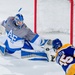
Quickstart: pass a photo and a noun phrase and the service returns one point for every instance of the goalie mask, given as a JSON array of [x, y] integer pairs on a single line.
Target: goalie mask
[[19, 19], [56, 44]]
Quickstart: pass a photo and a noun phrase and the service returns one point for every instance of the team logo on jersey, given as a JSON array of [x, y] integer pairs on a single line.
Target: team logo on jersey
[[13, 38]]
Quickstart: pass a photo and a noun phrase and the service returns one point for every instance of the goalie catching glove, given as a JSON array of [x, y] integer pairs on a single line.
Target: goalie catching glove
[[2, 30], [49, 51]]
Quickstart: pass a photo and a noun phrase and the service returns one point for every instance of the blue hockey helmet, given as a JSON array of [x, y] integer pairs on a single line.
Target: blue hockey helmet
[[19, 19], [56, 44]]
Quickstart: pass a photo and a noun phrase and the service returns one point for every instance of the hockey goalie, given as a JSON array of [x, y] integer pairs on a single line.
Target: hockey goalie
[[20, 37]]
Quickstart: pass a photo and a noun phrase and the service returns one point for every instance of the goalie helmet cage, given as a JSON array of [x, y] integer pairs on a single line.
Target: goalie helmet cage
[[70, 17]]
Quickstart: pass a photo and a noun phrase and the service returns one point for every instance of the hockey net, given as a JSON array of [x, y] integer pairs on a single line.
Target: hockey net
[[54, 19]]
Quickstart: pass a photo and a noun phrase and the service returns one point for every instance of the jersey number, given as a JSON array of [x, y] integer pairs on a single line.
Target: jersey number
[[65, 60]]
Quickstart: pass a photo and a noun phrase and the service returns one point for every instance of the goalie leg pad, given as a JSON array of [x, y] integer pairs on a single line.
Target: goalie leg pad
[[2, 49], [32, 55]]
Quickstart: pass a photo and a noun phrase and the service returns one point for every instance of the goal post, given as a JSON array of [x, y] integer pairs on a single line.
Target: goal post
[[71, 21], [35, 16]]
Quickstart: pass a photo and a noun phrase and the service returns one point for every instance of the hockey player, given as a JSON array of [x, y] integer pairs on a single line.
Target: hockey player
[[65, 56], [19, 35]]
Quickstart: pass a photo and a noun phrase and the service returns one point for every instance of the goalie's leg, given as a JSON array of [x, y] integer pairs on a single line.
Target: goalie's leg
[[2, 49], [45, 44]]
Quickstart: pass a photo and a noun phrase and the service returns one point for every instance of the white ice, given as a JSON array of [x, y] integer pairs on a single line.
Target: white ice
[[12, 65]]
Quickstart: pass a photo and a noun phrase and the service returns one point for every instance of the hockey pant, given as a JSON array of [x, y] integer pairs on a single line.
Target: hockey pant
[[71, 70]]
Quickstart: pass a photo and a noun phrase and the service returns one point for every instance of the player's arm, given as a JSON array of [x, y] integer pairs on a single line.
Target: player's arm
[[7, 21], [3, 25], [70, 51]]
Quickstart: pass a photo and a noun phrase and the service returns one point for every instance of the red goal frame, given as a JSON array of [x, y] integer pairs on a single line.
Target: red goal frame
[[35, 16], [71, 18]]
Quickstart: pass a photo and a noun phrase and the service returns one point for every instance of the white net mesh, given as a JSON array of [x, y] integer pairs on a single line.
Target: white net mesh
[[54, 18], [53, 15]]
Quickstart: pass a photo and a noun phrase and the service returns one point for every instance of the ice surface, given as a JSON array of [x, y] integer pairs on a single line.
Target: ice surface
[[11, 65]]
